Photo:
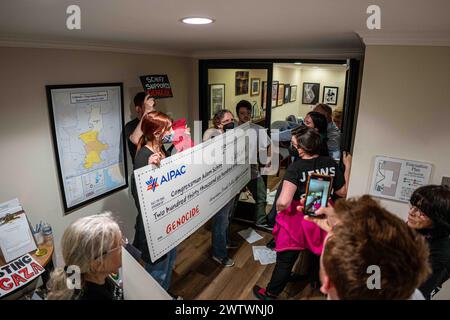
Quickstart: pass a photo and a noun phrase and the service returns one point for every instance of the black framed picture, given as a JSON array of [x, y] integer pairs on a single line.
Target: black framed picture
[[280, 95], [330, 95], [254, 86], [216, 98], [264, 95], [287, 93], [293, 95], [310, 93], [274, 94], [87, 128], [241, 82]]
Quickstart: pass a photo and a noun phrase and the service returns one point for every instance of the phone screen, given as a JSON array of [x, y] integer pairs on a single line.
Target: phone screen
[[317, 193]]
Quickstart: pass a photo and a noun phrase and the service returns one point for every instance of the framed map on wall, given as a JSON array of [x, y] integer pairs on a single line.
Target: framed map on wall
[[87, 126]]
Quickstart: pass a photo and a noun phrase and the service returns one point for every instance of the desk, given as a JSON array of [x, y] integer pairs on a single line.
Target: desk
[[43, 260]]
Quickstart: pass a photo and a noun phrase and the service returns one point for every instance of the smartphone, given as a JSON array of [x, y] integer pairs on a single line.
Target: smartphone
[[318, 190]]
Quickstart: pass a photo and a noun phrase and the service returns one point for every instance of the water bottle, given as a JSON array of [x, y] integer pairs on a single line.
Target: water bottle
[[47, 232]]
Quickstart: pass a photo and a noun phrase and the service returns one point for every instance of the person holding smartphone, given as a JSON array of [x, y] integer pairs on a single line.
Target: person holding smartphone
[[292, 233]]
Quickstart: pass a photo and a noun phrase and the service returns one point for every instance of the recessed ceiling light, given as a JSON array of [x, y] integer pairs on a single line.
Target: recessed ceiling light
[[297, 63], [197, 20]]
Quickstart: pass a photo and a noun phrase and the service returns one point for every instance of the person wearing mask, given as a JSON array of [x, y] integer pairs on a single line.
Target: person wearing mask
[[292, 233], [143, 104], [333, 133], [156, 127], [223, 120], [429, 214], [369, 253], [318, 121], [94, 245], [256, 186]]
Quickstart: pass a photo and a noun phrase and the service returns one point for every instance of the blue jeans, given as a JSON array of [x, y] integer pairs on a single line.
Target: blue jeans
[[161, 270], [220, 223]]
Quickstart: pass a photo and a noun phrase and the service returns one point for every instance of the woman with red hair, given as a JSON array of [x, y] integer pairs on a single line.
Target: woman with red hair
[[156, 127]]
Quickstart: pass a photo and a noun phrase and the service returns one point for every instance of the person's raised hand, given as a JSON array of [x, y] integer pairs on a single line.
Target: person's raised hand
[[155, 159], [347, 159]]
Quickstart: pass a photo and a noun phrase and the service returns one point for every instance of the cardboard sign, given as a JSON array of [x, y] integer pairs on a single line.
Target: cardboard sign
[[157, 86], [18, 273]]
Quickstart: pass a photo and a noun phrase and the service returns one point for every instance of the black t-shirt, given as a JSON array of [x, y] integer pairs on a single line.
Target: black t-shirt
[[298, 173], [129, 129], [106, 291], [140, 240]]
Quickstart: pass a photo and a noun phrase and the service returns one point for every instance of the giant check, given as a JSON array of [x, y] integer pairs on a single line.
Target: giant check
[[190, 187]]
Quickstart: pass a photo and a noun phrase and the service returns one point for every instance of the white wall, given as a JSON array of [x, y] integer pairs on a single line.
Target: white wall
[[290, 76], [404, 112], [28, 168], [227, 76], [297, 76]]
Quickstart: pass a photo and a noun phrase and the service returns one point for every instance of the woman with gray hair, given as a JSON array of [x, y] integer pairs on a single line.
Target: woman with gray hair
[[92, 250]]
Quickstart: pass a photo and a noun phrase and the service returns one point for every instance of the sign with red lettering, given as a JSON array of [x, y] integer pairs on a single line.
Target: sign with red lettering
[[190, 187], [157, 86], [18, 273]]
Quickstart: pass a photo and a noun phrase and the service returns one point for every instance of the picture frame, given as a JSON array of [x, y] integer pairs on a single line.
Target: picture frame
[[274, 93], [216, 94], [241, 82], [91, 156], [293, 95], [255, 86], [280, 99], [287, 93], [330, 95], [310, 93], [264, 95]]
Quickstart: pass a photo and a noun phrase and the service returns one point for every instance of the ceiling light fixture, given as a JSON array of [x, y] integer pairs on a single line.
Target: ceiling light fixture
[[197, 20], [297, 63]]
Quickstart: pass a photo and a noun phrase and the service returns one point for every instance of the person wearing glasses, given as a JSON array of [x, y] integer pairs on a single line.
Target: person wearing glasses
[[223, 120], [92, 250], [429, 214]]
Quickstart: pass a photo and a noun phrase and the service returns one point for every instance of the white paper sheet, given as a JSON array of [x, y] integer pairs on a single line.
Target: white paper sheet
[[250, 235], [256, 250], [267, 256], [16, 238], [138, 284]]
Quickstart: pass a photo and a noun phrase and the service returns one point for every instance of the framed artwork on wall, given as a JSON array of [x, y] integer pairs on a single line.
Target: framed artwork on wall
[[241, 82], [293, 96], [264, 95], [274, 93], [330, 95], [87, 128], [287, 93], [216, 98], [254, 86], [310, 93], [280, 94]]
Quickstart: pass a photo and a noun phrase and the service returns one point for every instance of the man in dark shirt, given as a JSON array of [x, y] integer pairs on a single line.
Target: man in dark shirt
[[143, 104]]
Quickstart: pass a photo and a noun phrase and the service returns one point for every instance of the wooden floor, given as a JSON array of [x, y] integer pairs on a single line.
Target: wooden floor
[[197, 276]]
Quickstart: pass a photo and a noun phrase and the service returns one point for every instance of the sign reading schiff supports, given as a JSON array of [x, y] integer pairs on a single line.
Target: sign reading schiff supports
[[190, 187], [157, 86]]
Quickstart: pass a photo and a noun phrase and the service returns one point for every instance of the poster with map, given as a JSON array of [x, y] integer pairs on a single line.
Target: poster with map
[[87, 123], [396, 179]]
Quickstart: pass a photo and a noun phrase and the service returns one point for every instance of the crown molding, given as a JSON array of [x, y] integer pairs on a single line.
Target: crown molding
[[86, 46], [312, 53], [404, 39]]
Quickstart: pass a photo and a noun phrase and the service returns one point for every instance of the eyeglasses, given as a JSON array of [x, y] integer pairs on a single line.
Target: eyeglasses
[[123, 243]]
